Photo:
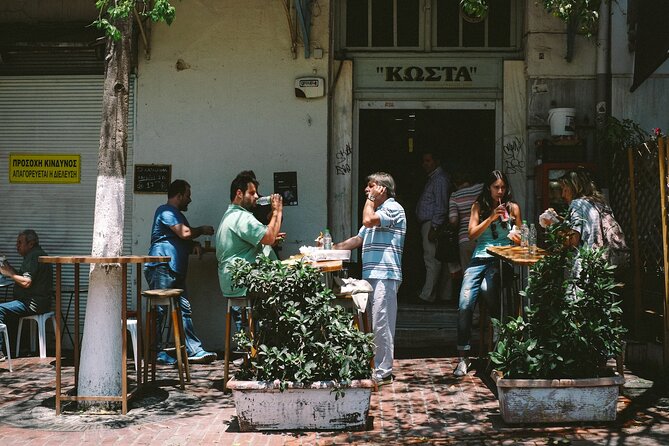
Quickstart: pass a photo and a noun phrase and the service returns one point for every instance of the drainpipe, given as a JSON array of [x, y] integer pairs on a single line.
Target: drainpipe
[[331, 85], [603, 86]]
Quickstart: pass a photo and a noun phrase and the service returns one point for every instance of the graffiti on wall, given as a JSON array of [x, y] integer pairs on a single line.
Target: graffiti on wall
[[512, 157], [343, 160]]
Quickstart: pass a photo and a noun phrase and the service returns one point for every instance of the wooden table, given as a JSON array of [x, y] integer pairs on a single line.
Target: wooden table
[[514, 256], [76, 261]]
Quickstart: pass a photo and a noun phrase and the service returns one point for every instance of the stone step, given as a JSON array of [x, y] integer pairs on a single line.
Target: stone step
[[419, 326]]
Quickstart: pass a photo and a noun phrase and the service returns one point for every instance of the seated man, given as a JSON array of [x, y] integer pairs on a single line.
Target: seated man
[[32, 282]]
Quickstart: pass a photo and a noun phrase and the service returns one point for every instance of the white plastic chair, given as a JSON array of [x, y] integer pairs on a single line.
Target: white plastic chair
[[5, 334], [131, 326], [40, 321]]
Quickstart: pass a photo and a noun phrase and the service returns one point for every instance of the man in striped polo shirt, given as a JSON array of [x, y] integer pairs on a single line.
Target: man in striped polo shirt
[[382, 239]]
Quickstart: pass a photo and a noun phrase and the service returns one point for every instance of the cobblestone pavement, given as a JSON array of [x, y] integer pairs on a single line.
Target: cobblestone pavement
[[424, 406]]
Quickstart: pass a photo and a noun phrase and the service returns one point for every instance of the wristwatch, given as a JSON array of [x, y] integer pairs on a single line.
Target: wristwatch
[[371, 197]]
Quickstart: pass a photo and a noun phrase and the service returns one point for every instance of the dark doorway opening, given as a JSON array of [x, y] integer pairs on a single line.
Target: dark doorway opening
[[393, 141]]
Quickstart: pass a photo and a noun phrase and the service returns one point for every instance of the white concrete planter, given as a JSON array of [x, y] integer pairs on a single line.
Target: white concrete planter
[[262, 406], [557, 400]]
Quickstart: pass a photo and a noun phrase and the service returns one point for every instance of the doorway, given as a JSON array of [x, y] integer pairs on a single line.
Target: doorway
[[393, 140]]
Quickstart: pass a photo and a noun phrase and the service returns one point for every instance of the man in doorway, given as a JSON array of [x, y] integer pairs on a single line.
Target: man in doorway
[[431, 211], [382, 239], [172, 235], [32, 281], [241, 236]]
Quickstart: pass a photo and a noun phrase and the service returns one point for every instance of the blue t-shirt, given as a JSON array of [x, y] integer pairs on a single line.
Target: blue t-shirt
[[382, 245], [164, 241]]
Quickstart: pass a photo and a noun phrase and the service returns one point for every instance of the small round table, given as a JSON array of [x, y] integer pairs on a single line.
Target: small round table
[[76, 261]]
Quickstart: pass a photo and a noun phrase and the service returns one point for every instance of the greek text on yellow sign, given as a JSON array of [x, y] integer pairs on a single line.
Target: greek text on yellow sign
[[43, 168]]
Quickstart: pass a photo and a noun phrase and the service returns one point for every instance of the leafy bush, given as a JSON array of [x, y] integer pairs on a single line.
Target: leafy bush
[[572, 324], [299, 335]]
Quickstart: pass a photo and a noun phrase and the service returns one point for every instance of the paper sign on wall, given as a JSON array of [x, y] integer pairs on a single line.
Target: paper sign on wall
[[44, 168]]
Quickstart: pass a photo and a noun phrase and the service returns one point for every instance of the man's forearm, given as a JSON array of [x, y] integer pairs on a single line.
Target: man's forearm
[[349, 244]]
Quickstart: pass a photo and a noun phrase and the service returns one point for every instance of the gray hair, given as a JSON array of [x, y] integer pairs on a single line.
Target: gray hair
[[385, 180], [30, 235]]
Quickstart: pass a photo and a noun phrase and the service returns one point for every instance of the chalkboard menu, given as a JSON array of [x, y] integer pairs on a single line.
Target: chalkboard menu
[[152, 178]]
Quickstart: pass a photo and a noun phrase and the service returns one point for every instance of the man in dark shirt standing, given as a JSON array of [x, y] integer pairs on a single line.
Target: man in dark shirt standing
[[173, 236], [33, 286], [432, 212]]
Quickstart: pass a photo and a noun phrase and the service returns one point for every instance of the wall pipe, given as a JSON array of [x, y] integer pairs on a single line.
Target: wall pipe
[[603, 85]]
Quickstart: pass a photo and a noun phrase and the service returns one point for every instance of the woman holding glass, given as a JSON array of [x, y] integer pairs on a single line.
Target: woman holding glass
[[492, 218]]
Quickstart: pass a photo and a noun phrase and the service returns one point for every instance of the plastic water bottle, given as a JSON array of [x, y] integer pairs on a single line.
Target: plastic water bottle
[[264, 201], [524, 235], [532, 239], [327, 239]]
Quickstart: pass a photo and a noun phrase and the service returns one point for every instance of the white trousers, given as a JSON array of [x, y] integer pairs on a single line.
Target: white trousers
[[383, 306], [433, 289]]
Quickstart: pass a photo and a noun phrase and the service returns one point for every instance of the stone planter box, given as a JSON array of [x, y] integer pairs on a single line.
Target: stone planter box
[[262, 406], [557, 400]]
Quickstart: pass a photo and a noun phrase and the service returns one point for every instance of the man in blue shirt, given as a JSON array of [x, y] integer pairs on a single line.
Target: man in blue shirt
[[173, 236], [382, 239], [432, 212]]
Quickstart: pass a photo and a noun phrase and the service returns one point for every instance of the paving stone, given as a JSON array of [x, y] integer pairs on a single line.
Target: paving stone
[[425, 405]]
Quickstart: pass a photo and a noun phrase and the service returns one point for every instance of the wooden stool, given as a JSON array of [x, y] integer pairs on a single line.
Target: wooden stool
[[245, 303], [170, 298]]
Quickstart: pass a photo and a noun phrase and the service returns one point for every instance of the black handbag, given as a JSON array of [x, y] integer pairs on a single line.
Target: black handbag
[[448, 248]]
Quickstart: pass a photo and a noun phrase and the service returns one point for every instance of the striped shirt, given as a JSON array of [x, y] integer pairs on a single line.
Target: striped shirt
[[460, 207], [382, 245], [433, 203]]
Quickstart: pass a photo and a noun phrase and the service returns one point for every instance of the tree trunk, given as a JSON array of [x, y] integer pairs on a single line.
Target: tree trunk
[[100, 369]]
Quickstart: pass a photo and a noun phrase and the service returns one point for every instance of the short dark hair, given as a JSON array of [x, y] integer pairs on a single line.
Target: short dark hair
[[247, 172], [30, 235], [434, 154], [177, 187], [241, 182]]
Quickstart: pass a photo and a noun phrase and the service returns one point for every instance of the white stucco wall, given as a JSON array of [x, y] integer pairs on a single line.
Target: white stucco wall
[[546, 47], [233, 109]]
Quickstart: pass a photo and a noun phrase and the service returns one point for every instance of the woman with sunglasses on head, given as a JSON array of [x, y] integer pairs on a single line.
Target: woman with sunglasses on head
[[492, 218]]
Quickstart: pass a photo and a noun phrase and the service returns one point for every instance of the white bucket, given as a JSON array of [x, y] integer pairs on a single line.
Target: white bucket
[[562, 121]]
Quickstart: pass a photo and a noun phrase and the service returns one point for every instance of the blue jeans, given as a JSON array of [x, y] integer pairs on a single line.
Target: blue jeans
[[14, 309], [161, 276], [481, 276]]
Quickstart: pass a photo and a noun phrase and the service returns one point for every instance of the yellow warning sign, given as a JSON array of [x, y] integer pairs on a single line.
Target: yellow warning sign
[[44, 168]]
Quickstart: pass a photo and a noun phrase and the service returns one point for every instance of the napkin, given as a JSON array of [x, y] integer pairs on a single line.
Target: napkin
[[548, 217]]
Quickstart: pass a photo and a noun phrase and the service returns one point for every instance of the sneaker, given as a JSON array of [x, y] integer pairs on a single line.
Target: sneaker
[[2, 356], [383, 381], [165, 359], [462, 368], [202, 357]]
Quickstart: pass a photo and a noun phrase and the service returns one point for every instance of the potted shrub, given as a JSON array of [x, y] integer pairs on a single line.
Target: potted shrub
[[308, 367], [551, 364]]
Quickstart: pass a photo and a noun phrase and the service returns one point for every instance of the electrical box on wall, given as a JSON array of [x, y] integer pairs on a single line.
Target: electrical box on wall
[[309, 87]]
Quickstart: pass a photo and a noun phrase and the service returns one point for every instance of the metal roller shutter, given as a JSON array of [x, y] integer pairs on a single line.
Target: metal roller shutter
[[55, 114]]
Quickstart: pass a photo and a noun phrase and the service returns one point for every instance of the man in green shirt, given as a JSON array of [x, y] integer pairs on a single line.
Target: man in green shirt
[[33, 281], [240, 235]]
